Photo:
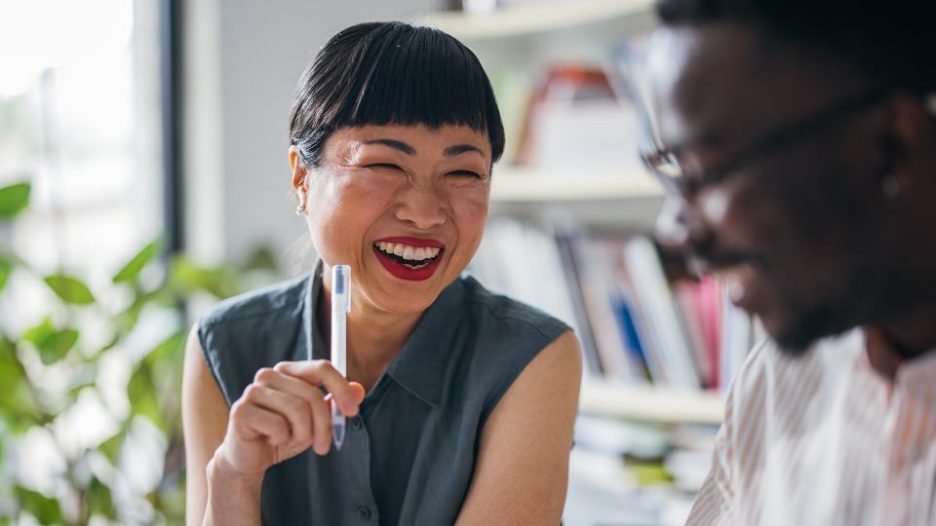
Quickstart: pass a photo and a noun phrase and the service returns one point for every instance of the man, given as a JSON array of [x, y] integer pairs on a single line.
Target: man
[[798, 143]]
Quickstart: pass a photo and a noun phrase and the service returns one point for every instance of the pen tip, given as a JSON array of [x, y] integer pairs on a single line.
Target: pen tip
[[339, 436]]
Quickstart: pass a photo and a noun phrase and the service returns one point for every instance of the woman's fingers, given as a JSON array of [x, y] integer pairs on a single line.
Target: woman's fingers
[[251, 422], [320, 433], [359, 391], [322, 422], [294, 409], [286, 406], [321, 372]]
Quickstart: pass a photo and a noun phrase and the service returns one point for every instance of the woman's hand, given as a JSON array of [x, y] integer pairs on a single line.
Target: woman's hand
[[283, 413]]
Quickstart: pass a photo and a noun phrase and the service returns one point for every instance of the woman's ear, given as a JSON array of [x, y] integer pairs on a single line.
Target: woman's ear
[[299, 175]]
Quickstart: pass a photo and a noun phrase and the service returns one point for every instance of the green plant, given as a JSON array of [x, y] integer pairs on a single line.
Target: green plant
[[51, 367]]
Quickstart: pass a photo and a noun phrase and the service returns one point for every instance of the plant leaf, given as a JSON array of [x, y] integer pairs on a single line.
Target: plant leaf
[[137, 263], [100, 500], [111, 447], [261, 258], [52, 344], [70, 289], [143, 394], [186, 277], [6, 268], [14, 199], [12, 374], [46, 510], [56, 347], [168, 350], [19, 409], [40, 333]]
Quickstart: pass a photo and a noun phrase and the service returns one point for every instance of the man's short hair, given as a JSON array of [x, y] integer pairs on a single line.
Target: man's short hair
[[891, 43]]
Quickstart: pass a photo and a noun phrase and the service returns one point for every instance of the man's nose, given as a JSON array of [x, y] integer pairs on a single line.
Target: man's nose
[[678, 227], [422, 206]]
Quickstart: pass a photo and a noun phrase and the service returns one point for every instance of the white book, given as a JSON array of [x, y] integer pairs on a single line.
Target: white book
[[598, 289], [664, 328]]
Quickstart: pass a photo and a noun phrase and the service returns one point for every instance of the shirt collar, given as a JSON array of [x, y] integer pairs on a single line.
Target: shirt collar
[[421, 364], [917, 375], [315, 348]]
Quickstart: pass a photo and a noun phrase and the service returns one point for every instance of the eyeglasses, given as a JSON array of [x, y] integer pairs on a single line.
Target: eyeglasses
[[676, 179]]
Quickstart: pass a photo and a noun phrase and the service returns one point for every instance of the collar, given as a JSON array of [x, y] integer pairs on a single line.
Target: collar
[[917, 375], [315, 347], [420, 366]]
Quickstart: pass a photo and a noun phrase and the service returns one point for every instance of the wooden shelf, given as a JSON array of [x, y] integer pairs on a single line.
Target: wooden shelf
[[651, 404], [534, 18], [511, 185]]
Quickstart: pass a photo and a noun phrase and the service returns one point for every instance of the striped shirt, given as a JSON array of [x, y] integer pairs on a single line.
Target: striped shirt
[[825, 439]]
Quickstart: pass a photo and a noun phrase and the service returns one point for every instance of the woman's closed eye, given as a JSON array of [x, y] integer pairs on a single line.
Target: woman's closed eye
[[462, 174], [384, 166], [466, 173]]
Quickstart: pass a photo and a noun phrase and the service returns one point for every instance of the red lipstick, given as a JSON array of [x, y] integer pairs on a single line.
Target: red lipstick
[[417, 242], [395, 264]]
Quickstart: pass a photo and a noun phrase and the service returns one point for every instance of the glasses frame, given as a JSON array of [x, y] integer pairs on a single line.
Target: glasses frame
[[682, 183]]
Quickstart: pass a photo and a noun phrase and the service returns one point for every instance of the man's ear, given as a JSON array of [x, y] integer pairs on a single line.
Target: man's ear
[[914, 135], [299, 175]]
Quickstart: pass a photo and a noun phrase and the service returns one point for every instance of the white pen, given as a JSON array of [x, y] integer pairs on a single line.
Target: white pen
[[340, 307]]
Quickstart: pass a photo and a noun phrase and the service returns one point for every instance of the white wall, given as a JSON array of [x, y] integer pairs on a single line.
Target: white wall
[[243, 59]]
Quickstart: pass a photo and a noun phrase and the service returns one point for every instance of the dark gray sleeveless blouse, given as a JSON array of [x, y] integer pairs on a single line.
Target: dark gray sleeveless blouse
[[409, 457]]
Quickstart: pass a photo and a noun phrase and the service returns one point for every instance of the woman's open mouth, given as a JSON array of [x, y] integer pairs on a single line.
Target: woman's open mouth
[[410, 259]]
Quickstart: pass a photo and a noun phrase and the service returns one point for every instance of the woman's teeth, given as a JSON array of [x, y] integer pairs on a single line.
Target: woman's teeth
[[415, 257]]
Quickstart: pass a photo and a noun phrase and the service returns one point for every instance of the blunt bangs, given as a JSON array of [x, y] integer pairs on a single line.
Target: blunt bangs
[[393, 73]]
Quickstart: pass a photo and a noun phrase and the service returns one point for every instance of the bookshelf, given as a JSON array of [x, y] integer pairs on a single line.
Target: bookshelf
[[562, 238], [650, 404], [515, 44], [537, 18], [517, 185]]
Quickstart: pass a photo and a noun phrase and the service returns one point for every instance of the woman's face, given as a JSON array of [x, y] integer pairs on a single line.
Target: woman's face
[[404, 206]]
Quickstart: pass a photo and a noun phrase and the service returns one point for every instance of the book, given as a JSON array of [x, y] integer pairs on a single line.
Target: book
[[596, 259], [574, 122], [527, 263], [700, 306], [665, 333], [633, 325]]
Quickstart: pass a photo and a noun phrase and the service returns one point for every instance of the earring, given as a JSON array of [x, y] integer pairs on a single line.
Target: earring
[[890, 186], [299, 210]]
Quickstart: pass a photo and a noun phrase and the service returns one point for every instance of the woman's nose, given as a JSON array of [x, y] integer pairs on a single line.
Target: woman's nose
[[422, 206]]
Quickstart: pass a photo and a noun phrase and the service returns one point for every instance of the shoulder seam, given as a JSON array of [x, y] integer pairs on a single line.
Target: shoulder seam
[[519, 318], [213, 318], [212, 321]]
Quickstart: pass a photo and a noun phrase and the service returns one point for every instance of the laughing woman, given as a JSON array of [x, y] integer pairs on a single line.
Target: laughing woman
[[471, 396]]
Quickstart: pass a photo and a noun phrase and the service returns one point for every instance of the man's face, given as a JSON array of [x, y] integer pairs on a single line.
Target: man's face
[[796, 230]]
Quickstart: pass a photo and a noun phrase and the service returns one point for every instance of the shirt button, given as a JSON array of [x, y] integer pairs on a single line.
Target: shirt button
[[364, 512], [356, 423]]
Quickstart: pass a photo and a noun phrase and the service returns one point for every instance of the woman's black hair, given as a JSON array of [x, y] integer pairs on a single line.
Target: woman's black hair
[[392, 73], [891, 43]]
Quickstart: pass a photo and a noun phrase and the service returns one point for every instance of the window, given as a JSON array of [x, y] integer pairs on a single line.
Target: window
[[79, 118]]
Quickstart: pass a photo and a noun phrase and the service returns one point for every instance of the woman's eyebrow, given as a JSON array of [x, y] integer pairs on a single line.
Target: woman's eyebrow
[[459, 149], [395, 144], [451, 151]]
